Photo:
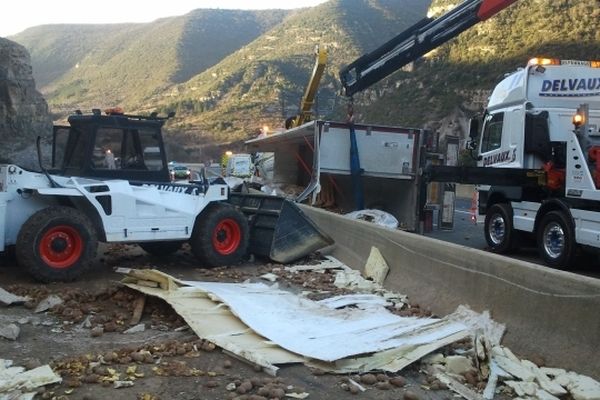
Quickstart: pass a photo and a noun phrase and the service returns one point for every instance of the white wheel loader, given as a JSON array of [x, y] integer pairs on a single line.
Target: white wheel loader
[[110, 182]]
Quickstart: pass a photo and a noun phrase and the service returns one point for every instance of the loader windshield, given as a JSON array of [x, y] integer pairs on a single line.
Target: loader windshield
[[127, 149], [114, 147]]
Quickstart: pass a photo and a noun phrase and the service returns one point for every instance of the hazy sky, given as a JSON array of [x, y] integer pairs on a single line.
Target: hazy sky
[[17, 15]]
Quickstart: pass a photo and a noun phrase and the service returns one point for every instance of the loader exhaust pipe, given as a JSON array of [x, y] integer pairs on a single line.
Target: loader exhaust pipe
[[38, 144]]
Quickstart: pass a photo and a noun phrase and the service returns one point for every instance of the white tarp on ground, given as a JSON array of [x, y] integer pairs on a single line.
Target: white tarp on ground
[[211, 320], [316, 331], [270, 326]]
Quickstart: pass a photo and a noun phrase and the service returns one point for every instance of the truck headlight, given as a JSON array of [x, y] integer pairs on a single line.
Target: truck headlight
[[578, 120]]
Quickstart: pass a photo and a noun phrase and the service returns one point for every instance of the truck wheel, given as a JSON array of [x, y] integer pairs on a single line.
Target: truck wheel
[[56, 244], [161, 248], [220, 235], [498, 228], [556, 240]]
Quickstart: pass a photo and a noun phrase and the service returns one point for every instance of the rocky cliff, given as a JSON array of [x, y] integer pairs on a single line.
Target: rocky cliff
[[23, 111]]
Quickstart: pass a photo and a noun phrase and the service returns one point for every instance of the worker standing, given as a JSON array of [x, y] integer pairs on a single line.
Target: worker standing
[[109, 160]]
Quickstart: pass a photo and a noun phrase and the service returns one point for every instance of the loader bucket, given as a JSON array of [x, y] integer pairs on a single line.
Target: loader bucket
[[278, 228]]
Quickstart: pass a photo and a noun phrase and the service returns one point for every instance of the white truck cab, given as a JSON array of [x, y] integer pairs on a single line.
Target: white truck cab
[[240, 165], [529, 124]]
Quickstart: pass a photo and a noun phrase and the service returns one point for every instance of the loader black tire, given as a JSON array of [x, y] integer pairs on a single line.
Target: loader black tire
[[162, 248], [220, 236], [56, 244]]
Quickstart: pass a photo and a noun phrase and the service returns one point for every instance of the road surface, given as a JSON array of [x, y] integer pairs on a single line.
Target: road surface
[[467, 233]]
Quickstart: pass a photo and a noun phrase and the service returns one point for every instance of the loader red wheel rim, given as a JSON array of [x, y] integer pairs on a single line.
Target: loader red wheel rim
[[227, 236], [61, 246]]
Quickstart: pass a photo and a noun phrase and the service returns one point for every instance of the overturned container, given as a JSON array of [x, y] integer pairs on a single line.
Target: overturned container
[[316, 156]]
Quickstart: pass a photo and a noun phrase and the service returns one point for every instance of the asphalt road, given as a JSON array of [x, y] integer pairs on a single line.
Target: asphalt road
[[467, 233]]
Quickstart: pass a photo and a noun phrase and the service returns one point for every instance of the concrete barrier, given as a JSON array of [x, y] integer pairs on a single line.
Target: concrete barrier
[[548, 313]]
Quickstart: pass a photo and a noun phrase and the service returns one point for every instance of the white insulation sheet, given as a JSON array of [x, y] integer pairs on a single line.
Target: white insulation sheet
[[316, 331], [269, 326]]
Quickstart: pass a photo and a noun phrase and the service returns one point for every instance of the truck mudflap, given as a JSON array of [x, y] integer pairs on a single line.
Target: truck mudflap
[[278, 228]]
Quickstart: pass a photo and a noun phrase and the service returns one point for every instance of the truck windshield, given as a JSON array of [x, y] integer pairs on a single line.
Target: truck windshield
[[492, 132]]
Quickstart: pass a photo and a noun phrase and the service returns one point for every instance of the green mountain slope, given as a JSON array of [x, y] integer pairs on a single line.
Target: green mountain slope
[[55, 49], [210, 35], [83, 66], [263, 82]]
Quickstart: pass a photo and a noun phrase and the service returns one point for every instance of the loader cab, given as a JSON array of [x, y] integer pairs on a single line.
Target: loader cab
[[111, 146]]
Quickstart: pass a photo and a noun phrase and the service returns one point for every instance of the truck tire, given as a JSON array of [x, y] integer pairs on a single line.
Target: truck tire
[[161, 248], [220, 236], [556, 240], [498, 228], [56, 244]]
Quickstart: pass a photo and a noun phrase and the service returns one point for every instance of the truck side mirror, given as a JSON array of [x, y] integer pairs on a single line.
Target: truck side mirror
[[473, 134], [473, 128]]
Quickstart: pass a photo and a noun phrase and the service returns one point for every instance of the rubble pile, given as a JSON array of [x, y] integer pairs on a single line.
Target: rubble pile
[[475, 368], [316, 285], [17, 382], [226, 274], [126, 329], [480, 374], [110, 309], [122, 368], [129, 363]]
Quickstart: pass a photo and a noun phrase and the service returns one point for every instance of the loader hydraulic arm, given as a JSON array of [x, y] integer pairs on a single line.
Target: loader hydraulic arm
[[311, 90], [415, 42]]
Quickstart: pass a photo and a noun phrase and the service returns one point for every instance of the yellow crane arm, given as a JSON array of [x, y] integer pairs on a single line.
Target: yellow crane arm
[[311, 90]]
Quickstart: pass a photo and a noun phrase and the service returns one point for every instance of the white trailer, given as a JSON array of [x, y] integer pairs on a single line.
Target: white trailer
[[316, 157], [239, 165], [544, 117]]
